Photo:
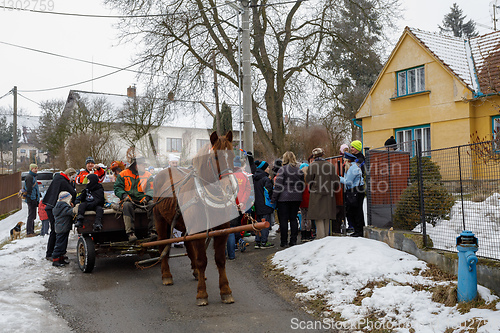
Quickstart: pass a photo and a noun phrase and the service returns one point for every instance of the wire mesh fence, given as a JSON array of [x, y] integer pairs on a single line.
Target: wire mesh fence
[[438, 193]]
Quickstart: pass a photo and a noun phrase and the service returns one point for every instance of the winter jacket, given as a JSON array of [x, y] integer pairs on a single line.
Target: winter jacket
[[60, 183], [42, 214], [261, 181], [244, 189], [289, 184], [32, 191], [92, 192], [361, 160], [63, 214], [136, 186], [323, 185], [80, 177], [353, 177]]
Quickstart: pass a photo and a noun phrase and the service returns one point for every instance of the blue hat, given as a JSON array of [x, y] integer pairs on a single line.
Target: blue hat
[[350, 157], [303, 165], [263, 165]]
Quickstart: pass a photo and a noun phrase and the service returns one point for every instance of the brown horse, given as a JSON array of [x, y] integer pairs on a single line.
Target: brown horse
[[177, 203]]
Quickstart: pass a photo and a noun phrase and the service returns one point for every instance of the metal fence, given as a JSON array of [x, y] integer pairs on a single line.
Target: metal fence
[[438, 193]]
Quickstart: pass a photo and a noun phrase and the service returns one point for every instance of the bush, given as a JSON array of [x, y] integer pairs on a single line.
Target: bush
[[437, 200]]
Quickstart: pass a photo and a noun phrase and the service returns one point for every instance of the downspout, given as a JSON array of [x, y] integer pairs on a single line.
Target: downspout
[[360, 126]]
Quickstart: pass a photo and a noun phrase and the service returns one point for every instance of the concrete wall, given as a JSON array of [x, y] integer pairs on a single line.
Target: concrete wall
[[488, 271]]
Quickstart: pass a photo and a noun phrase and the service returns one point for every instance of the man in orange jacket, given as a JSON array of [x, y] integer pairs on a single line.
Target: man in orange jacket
[[134, 186]]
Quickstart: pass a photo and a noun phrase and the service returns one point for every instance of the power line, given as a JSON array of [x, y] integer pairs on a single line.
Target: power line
[[29, 99], [110, 16], [7, 94], [67, 57], [86, 81]]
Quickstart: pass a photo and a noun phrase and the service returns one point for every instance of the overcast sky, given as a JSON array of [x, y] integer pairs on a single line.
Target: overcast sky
[[96, 40]]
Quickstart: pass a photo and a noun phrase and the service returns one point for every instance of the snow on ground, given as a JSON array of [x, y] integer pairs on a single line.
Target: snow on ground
[[23, 271], [482, 218], [337, 268]]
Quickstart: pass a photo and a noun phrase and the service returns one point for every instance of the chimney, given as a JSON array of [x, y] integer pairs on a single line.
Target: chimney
[[131, 91]]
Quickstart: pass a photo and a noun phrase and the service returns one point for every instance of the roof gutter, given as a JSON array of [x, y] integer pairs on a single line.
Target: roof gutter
[[472, 70]]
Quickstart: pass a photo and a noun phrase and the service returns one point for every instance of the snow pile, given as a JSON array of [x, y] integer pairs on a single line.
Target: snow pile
[[340, 269]]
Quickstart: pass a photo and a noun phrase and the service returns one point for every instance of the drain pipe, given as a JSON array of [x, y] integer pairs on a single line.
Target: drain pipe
[[360, 126]]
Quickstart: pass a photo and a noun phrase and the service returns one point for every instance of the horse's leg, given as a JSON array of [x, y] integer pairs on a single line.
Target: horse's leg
[[163, 230], [201, 265], [220, 261], [191, 252]]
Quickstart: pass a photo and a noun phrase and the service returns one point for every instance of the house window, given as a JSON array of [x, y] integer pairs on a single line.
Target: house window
[[404, 136], [200, 143], [174, 144], [495, 132], [411, 81]]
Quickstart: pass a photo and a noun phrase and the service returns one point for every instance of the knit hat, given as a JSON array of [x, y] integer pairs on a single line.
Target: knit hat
[[303, 165], [350, 157], [69, 172], [356, 144], [278, 163], [89, 159], [33, 165], [389, 142], [173, 158], [65, 196], [318, 152], [343, 147], [263, 165]]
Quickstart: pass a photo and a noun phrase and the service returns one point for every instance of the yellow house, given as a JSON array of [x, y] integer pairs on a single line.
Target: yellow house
[[436, 88]]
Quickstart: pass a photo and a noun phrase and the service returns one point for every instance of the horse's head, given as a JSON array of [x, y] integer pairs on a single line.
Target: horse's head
[[221, 155]]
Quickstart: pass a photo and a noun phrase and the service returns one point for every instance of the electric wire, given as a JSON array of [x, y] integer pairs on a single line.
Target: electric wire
[[29, 99], [7, 94]]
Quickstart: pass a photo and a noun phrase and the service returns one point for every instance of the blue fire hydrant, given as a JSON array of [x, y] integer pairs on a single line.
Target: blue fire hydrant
[[467, 275]]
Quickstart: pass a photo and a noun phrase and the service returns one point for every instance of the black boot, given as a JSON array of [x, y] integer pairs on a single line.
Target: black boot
[[79, 221], [97, 225], [57, 262]]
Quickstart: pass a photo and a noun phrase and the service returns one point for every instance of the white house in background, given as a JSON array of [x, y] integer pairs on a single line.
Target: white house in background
[[185, 131], [26, 151]]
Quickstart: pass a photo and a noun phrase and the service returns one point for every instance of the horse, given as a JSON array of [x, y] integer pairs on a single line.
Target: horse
[[175, 204]]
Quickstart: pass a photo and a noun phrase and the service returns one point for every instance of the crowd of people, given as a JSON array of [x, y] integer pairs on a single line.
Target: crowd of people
[[303, 196]]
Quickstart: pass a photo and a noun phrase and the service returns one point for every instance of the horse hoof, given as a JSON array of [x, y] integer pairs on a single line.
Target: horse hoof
[[202, 301], [168, 281], [227, 299]]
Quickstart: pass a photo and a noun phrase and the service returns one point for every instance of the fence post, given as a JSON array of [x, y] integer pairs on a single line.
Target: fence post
[[421, 189], [368, 186], [461, 186]]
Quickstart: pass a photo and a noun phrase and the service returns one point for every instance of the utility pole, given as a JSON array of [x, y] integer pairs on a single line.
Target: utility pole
[[494, 17], [216, 93], [247, 82], [14, 135]]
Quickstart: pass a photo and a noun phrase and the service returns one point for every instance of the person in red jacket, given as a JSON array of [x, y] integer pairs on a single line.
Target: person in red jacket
[[305, 225], [90, 167], [42, 214]]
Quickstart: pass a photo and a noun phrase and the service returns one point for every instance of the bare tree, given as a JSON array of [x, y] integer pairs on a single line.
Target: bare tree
[[289, 41]]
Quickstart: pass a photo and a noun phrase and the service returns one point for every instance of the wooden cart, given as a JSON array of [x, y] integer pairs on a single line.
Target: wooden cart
[[111, 239]]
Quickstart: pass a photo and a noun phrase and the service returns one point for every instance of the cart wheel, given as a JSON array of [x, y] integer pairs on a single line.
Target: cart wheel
[[86, 254]]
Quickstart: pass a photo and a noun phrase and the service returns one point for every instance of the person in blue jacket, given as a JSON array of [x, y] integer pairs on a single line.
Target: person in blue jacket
[[354, 193], [32, 199]]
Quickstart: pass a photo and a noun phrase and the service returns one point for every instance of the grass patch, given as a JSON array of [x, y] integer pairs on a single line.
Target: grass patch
[[363, 293], [477, 303], [418, 239], [436, 274], [3, 216]]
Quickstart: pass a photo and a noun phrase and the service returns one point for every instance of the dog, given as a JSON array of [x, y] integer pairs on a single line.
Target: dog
[[15, 232]]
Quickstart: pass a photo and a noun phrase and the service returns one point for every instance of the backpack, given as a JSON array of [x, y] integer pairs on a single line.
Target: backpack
[[268, 199]]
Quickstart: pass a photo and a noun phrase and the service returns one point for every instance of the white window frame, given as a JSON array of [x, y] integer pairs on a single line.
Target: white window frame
[[174, 145], [410, 81]]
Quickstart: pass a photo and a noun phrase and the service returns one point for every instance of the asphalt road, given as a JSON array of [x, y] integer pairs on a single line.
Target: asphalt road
[[117, 297]]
